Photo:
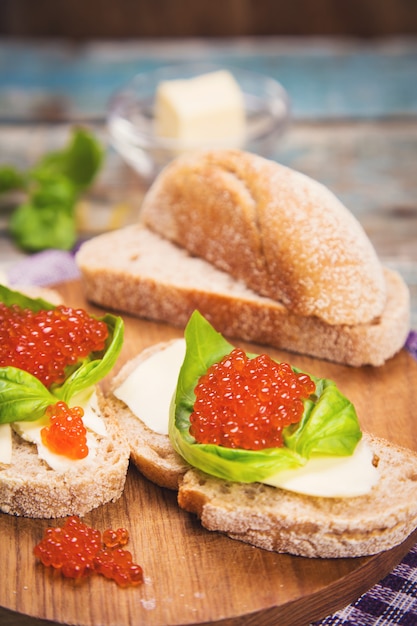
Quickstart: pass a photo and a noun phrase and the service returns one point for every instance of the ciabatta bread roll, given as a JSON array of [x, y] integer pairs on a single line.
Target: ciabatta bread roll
[[286, 236]]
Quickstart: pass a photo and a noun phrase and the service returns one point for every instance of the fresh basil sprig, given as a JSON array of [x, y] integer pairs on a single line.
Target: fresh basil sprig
[[46, 217], [24, 398], [329, 425]]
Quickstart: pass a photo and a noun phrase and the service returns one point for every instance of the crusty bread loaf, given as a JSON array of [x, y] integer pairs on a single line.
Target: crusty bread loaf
[[286, 236], [139, 272], [30, 488], [150, 452], [281, 521], [272, 518]]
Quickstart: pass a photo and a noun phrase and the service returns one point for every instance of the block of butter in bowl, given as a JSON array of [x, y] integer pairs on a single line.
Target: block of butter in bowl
[[165, 112], [207, 108]]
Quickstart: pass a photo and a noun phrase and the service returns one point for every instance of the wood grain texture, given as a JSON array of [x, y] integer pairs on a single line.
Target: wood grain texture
[[193, 576], [184, 18]]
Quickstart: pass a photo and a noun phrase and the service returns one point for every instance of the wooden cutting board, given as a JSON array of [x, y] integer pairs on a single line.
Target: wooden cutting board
[[193, 576]]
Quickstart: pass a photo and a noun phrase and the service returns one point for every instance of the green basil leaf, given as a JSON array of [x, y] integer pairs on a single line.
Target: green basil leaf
[[9, 297], [232, 464], [329, 426], [93, 369], [22, 396], [208, 346]]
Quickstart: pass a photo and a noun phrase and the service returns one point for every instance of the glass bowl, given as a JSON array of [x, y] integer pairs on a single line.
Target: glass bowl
[[131, 117]]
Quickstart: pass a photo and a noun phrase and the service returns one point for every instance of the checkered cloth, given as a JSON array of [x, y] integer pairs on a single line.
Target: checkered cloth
[[391, 601]]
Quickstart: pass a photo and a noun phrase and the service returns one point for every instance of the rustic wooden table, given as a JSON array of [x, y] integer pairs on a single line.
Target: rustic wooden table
[[353, 127]]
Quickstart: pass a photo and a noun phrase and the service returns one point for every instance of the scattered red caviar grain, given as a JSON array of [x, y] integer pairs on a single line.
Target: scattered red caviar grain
[[115, 538], [78, 550], [46, 342], [71, 548], [66, 433], [244, 402]]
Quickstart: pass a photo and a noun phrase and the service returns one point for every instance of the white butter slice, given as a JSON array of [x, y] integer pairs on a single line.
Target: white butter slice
[[31, 432], [331, 477], [207, 108], [61, 463], [5, 444], [92, 418], [148, 390]]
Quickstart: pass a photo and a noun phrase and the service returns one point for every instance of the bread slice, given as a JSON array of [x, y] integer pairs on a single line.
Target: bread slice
[[272, 518], [137, 271], [30, 488], [151, 452], [286, 236], [281, 521]]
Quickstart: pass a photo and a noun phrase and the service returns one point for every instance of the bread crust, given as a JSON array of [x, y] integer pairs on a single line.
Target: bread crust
[[30, 488], [281, 521], [151, 452], [150, 277], [286, 236]]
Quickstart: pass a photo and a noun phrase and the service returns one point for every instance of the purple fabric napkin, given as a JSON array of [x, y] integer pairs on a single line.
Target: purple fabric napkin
[[43, 269], [391, 601], [411, 343]]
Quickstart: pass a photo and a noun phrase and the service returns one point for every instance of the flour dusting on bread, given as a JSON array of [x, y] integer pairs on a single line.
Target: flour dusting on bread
[[285, 235]]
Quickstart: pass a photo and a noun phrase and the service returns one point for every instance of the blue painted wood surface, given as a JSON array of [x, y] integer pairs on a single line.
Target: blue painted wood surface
[[326, 79], [354, 108]]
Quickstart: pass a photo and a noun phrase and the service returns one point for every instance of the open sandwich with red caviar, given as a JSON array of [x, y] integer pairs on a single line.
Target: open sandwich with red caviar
[[61, 451], [263, 452]]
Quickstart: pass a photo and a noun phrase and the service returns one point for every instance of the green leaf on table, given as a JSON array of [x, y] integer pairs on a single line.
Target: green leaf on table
[[48, 188], [79, 161], [37, 228], [22, 396], [11, 179], [46, 219]]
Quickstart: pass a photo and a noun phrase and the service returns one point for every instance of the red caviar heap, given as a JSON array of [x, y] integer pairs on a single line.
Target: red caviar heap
[[46, 342], [66, 433], [78, 550], [246, 402]]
